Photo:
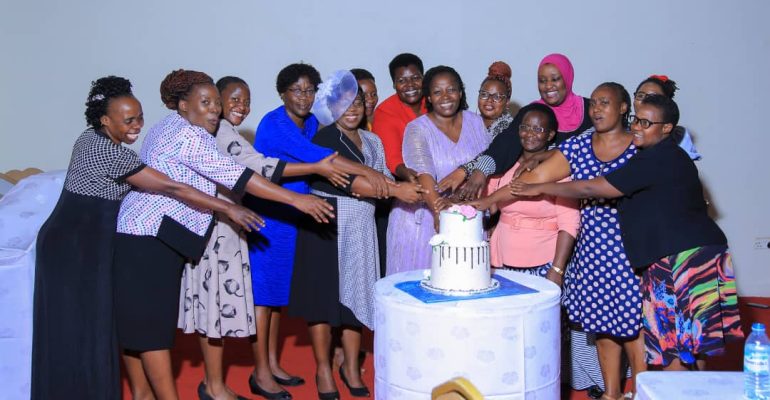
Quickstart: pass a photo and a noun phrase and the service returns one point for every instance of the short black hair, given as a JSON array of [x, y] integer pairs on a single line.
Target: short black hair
[[362, 74], [404, 60], [553, 123], [291, 73], [226, 80], [624, 97], [667, 107], [102, 91], [668, 86], [432, 74]]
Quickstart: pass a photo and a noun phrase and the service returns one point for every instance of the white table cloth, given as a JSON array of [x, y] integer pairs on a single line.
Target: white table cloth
[[23, 210], [706, 385], [508, 347]]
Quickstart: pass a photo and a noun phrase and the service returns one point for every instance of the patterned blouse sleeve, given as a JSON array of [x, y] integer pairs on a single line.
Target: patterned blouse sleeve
[[198, 151], [126, 163], [416, 150], [236, 146], [379, 163]]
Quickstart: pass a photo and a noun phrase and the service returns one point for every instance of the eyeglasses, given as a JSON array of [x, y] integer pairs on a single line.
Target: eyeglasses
[[299, 92], [530, 128], [496, 97], [644, 123], [641, 95]]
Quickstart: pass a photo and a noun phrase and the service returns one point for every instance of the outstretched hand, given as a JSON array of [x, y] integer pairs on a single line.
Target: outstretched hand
[[316, 207], [244, 217], [519, 188], [331, 171], [473, 187], [452, 181]]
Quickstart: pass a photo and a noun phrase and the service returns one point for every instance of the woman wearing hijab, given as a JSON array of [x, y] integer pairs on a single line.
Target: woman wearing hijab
[[555, 76]]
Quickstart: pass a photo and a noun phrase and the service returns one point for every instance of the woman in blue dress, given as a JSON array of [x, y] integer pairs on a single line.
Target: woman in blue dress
[[285, 133]]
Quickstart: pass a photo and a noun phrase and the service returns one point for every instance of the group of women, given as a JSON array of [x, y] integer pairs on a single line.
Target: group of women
[[340, 191]]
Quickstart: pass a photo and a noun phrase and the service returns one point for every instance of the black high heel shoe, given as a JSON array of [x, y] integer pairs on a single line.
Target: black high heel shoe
[[282, 395], [362, 391], [335, 395], [291, 381]]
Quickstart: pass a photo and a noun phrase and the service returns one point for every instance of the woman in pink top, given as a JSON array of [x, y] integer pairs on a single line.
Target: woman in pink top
[[535, 236]]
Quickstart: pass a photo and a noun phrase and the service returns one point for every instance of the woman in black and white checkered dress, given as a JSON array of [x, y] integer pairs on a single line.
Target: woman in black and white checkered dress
[[74, 350], [337, 264]]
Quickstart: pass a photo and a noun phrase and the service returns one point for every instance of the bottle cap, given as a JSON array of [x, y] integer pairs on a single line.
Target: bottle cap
[[757, 326]]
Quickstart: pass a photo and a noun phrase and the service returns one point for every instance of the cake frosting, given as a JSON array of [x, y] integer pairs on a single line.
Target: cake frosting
[[460, 255]]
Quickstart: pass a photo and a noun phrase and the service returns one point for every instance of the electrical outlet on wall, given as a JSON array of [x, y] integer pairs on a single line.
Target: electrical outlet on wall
[[762, 243]]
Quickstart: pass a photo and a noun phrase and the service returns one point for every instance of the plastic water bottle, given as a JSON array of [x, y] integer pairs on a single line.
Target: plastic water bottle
[[756, 364]]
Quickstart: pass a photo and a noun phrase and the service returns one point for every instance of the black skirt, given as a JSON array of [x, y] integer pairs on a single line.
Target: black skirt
[[74, 348], [147, 279], [315, 289]]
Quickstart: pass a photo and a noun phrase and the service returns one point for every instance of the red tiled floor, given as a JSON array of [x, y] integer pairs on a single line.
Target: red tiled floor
[[297, 358]]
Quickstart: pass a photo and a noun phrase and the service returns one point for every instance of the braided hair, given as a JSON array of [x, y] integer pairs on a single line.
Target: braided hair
[[501, 72], [624, 97], [178, 84], [102, 91], [432, 74]]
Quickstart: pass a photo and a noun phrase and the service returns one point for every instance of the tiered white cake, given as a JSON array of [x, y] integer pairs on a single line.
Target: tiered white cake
[[460, 258]]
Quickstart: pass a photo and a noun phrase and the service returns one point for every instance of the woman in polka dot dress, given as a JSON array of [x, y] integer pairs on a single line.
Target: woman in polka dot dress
[[602, 295]]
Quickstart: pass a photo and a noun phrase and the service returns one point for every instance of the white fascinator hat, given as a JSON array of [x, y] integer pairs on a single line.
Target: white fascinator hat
[[334, 96]]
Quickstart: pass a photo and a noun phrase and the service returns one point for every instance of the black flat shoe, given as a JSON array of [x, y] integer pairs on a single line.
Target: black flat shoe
[[328, 395], [282, 395], [202, 395], [292, 381], [362, 391]]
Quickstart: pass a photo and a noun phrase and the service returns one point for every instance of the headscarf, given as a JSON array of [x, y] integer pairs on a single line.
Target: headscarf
[[334, 96], [570, 112]]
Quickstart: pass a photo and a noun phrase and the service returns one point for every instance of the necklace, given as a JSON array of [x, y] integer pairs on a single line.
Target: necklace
[[351, 150]]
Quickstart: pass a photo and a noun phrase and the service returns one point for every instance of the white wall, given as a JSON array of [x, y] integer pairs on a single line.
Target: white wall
[[717, 51]]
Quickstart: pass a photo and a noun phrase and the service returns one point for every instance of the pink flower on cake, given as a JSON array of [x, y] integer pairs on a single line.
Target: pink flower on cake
[[465, 210]]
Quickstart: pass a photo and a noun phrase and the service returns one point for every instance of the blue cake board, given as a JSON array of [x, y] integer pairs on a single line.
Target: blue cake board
[[507, 288]]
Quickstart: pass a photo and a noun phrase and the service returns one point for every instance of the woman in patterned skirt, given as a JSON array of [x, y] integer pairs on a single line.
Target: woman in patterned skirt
[[602, 295], [688, 284], [156, 234], [216, 299], [337, 264], [74, 350]]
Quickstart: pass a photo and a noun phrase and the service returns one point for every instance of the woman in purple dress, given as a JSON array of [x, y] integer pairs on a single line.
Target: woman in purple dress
[[434, 145]]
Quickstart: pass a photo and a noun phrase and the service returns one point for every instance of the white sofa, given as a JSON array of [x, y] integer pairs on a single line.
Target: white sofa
[[23, 210]]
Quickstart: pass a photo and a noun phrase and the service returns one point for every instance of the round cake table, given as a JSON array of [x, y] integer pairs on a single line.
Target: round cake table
[[509, 347]]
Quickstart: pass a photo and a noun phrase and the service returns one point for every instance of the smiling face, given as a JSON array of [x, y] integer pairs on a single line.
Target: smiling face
[[236, 103], [298, 98], [647, 89], [202, 107], [352, 117], [551, 85], [444, 95], [531, 140], [489, 109], [370, 96], [606, 109], [407, 82], [124, 120], [649, 137]]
